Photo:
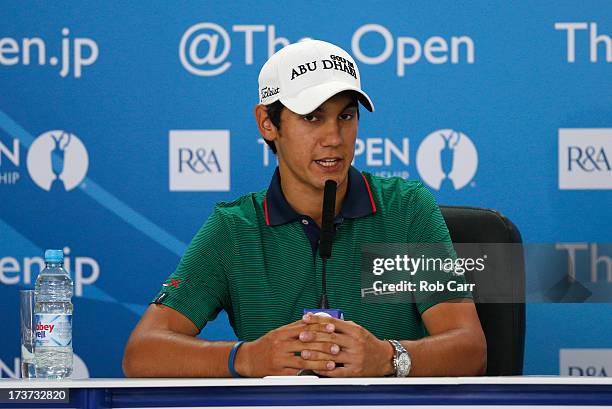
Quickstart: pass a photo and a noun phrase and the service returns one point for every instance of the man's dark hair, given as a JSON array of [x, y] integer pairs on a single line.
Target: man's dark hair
[[274, 113]]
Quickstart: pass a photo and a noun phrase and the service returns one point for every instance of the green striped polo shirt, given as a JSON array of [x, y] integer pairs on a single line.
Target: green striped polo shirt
[[253, 259]]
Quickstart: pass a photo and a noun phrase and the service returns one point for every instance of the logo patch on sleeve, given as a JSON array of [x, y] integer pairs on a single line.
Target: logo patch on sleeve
[[173, 283]]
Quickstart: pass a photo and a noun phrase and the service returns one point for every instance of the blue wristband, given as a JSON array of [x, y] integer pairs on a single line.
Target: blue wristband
[[232, 358]]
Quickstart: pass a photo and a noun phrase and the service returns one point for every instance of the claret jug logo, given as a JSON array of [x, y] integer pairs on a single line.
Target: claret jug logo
[[57, 160], [447, 157]]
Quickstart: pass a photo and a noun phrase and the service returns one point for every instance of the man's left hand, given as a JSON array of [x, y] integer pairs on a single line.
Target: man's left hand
[[360, 352]]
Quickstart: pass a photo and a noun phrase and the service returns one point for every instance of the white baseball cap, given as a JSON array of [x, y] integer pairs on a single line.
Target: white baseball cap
[[306, 74]]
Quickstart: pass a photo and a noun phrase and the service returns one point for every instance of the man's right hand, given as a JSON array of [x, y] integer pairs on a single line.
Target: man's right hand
[[278, 352]]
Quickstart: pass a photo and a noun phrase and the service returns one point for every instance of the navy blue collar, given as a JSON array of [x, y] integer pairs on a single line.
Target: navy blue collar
[[358, 202]]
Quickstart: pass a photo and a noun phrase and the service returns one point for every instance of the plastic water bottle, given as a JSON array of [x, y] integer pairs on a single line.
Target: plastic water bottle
[[53, 319]]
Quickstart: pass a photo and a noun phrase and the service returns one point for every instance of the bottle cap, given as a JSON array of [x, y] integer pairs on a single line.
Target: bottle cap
[[54, 256]]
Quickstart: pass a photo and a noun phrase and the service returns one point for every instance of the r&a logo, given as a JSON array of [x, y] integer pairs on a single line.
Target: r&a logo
[[199, 160], [585, 158], [585, 362]]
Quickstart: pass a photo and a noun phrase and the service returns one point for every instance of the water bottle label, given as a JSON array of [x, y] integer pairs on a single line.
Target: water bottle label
[[53, 330]]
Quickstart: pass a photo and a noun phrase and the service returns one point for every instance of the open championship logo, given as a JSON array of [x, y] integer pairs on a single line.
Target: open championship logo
[[57, 160], [447, 157]]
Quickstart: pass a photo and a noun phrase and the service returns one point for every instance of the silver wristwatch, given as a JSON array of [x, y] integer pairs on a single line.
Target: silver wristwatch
[[401, 360]]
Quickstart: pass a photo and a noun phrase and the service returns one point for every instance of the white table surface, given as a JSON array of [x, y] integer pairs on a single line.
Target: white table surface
[[7, 383]]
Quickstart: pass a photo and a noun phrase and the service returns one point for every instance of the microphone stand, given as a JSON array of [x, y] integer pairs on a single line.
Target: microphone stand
[[327, 228], [324, 303], [327, 232]]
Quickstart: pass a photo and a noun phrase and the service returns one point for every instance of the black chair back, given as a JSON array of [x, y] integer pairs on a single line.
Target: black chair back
[[503, 323]]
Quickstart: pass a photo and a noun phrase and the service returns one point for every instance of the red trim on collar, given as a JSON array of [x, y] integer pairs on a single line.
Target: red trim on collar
[[266, 211], [369, 193]]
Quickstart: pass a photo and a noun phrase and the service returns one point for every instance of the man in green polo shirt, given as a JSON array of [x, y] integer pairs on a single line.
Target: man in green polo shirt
[[256, 257]]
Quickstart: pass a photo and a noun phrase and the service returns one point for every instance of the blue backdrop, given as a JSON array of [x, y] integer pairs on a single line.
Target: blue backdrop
[[101, 93]]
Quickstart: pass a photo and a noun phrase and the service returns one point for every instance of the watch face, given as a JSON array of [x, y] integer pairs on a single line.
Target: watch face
[[403, 364]]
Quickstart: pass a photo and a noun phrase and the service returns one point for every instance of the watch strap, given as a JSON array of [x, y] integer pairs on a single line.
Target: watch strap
[[399, 350]]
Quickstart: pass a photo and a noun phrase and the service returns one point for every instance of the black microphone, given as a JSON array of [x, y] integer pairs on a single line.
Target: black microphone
[[327, 233]]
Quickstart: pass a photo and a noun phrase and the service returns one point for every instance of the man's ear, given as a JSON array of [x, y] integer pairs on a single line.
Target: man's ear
[[266, 128]]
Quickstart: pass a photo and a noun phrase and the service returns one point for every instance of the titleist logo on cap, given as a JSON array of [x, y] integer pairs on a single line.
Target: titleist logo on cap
[[267, 92], [335, 62]]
